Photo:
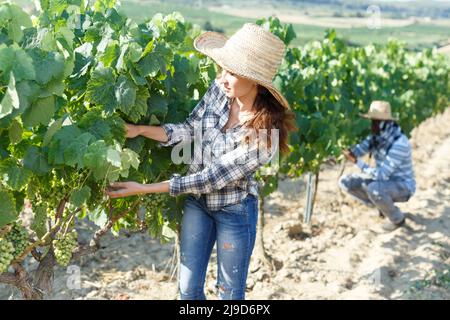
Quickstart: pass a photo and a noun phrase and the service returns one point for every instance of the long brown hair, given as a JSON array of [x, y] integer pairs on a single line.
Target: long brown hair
[[271, 114]]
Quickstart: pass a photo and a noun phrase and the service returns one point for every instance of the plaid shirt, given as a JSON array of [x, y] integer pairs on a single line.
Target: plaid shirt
[[223, 166], [393, 164]]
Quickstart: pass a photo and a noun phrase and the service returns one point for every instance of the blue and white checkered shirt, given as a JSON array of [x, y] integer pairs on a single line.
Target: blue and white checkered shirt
[[223, 166], [393, 164]]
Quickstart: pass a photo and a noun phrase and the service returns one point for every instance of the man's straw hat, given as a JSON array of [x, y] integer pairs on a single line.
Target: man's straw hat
[[379, 110], [252, 52]]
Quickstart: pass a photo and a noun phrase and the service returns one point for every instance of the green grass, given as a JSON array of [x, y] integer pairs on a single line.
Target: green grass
[[417, 36], [139, 12], [434, 279]]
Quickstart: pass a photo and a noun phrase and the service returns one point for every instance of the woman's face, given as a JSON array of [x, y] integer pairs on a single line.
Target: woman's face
[[235, 86]]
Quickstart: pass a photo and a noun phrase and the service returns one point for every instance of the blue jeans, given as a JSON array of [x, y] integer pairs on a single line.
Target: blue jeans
[[379, 194], [234, 229]]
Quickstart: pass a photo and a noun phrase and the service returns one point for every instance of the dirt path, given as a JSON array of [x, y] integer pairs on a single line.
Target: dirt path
[[349, 258], [340, 256]]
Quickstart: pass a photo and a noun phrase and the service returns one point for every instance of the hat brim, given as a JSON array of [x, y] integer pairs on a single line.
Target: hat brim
[[209, 40], [372, 117], [210, 43]]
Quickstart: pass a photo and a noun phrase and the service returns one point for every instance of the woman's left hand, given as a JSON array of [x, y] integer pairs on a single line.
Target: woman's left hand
[[124, 189]]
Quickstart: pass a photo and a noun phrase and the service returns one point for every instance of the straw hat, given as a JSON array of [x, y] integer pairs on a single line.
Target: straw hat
[[252, 52], [379, 110]]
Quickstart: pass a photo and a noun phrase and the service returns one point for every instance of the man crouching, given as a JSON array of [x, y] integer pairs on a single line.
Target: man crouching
[[392, 180]]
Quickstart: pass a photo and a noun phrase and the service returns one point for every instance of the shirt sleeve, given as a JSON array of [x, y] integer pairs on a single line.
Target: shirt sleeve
[[361, 148], [184, 131], [397, 154], [232, 166]]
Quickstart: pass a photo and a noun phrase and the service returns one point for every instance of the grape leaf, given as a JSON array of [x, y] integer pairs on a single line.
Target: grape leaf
[[99, 217], [48, 65], [7, 56], [102, 5], [80, 196], [60, 141], [134, 52], [111, 54], [139, 109], [36, 161], [52, 129], [40, 112], [95, 159], [10, 100], [113, 157], [74, 153], [19, 19], [15, 132], [53, 87], [101, 89], [108, 129], [39, 222], [148, 66], [14, 177], [8, 211], [28, 93], [128, 159], [158, 106], [125, 94], [23, 67]]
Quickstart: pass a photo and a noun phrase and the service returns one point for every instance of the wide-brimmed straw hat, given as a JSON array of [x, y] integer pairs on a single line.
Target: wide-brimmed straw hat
[[252, 52], [379, 110]]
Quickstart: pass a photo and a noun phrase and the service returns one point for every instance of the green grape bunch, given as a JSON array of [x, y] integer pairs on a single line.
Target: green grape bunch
[[6, 254], [64, 246], [58, 190], [153, 201], [18, 236]]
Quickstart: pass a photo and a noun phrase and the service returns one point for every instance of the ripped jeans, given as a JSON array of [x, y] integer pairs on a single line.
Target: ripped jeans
[[379, 194], [234, 229]]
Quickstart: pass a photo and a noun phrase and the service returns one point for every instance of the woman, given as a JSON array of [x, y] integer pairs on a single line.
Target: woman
[[223, 204]]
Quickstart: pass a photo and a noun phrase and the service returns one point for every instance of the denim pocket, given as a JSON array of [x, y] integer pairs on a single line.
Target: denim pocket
[[236, 208]]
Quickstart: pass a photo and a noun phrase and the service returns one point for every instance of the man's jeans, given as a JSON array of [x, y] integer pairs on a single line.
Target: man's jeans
[[379, 194], [234, 229]]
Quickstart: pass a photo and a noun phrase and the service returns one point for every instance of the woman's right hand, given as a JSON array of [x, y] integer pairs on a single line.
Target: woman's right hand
[[132, 130]]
